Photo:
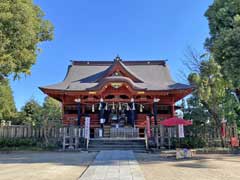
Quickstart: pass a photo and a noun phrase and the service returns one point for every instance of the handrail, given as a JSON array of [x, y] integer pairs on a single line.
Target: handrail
[[124, 132]]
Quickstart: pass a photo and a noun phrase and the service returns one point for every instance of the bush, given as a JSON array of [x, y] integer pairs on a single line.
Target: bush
[[17, 142], [26, 144], [188, 142]]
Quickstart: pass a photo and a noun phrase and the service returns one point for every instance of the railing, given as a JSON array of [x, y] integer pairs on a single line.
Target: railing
[[124, 133], [70, 136], [37, 132]]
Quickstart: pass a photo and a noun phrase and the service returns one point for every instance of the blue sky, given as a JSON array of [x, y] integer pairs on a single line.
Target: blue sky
[[101, 29]]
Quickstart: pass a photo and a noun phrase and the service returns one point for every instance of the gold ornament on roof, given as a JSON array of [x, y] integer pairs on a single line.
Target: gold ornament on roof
[[116, 85]]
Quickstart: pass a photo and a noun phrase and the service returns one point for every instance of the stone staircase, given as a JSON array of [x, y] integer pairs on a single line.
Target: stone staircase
[[137, 145]]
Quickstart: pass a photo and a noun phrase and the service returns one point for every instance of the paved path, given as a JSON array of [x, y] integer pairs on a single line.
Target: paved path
[[114, 165]]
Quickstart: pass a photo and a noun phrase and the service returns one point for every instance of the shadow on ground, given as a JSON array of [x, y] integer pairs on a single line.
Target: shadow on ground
[[199, 161], [60, 158]]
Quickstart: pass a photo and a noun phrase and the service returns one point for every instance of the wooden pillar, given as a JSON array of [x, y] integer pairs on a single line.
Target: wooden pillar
[[79, 114], [83, 109], [151, 110], [161, 136], [172, 107], [155, 114], [63, 104]]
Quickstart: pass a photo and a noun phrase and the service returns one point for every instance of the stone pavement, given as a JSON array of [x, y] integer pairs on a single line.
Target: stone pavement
[[114, 165]]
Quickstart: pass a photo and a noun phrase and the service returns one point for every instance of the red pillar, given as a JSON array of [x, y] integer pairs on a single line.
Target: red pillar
[[63, 101], [172, 107]]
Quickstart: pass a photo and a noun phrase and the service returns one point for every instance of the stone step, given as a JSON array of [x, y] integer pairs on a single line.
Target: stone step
[[123, 143], [117, 140], [102, 149], [117, 147], [117, 144], [107, 140]]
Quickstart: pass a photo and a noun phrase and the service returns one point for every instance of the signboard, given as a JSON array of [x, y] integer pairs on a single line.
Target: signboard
[[87, 128], [184, 153], [180, 131]]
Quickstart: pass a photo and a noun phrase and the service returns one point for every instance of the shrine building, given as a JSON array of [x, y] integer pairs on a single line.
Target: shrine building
[[117, 94]]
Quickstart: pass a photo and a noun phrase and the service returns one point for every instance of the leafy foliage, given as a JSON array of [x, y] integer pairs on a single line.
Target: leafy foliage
[[196, 112], [31, 113], [224, 42], [52, 109], [211, 100], [210, 88], [32, 144], [188, 142], [34, 114], [7, 105], [17, 142], [22, 27]]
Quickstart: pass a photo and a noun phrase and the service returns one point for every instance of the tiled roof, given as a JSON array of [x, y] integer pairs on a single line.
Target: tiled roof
[[86, 75]]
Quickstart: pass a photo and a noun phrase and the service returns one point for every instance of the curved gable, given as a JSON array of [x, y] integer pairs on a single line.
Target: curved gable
[[119, 69]]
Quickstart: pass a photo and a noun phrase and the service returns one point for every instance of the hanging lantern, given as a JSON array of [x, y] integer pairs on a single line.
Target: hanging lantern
[[133, 106], [113, 107], [100, 104], [93, 108], [120, 107], [128, 107], [141, 108], [106, 107]]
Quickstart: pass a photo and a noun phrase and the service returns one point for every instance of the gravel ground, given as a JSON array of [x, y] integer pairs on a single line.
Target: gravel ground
[[44, 165], [70, 165], [201, 167]]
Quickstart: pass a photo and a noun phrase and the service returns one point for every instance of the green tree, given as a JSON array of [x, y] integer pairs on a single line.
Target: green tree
[[213, 99], [52, 109], [196, 111], [224, 41], [211, 89], [7, 104], [51, 115], [22, 27], [31, 113]]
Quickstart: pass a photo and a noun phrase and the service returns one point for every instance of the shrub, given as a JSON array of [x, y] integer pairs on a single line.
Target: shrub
[[17, 142], [188, 142]]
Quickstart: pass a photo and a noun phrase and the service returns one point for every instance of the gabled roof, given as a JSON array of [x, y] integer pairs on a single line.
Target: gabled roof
[[88, 75], [118, 66]]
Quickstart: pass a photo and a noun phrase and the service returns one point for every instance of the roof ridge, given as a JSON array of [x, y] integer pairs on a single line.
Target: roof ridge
[[127, 62]]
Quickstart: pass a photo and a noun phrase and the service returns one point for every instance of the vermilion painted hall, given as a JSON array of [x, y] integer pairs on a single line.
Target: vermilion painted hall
[[117, 94]]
